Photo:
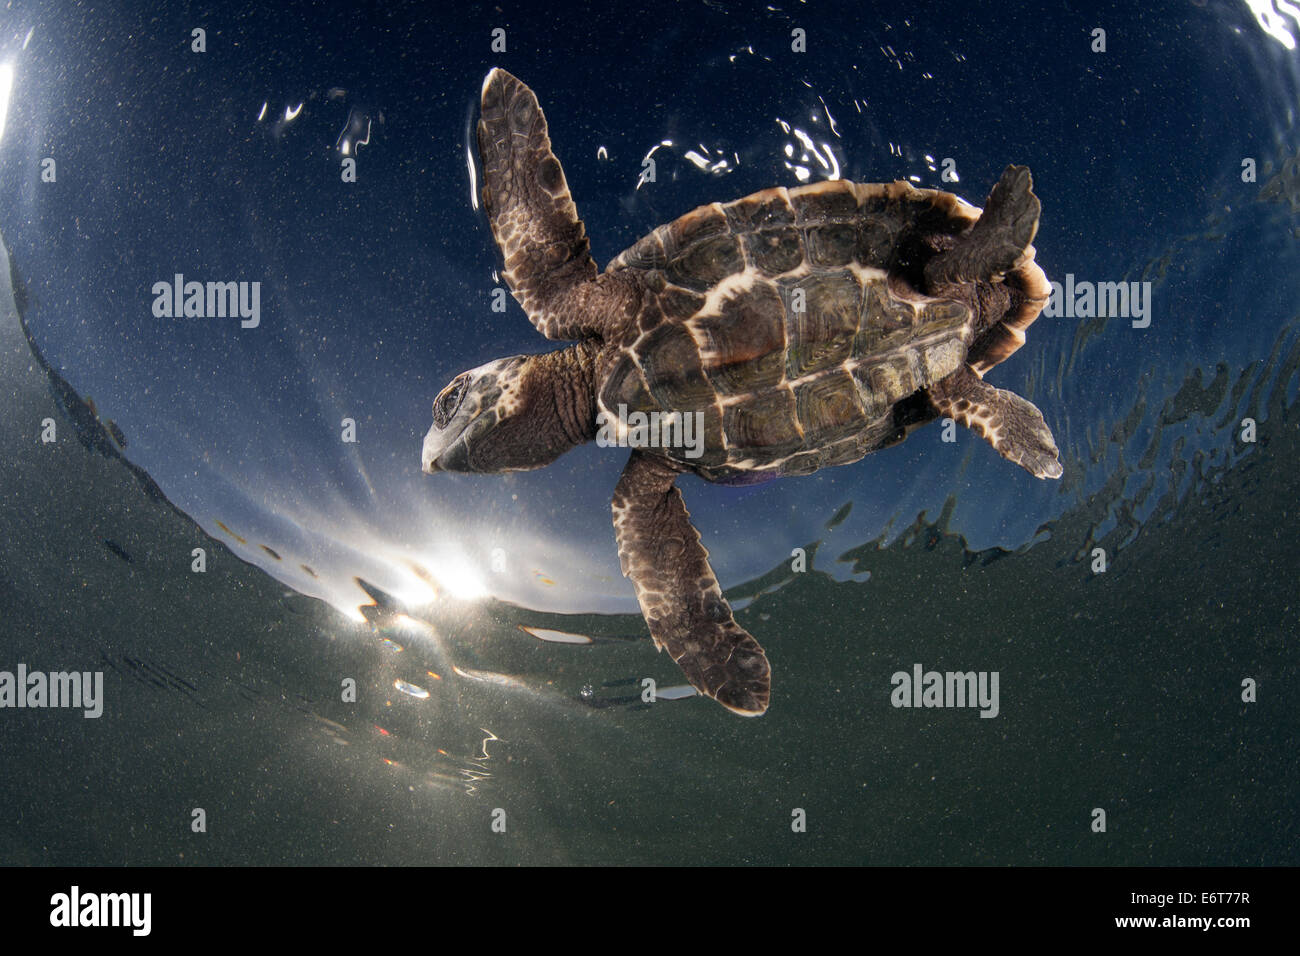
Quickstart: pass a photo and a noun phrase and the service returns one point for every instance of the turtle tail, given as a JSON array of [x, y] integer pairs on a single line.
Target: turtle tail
[[999, 240], [997, 254]]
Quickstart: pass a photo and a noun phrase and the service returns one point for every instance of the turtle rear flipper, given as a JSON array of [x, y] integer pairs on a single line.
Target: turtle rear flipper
[[999, 239], [680, 598], [1011, 424], [548, 261]]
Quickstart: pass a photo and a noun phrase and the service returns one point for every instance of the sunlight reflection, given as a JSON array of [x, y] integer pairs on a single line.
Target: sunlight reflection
[[6, 87], [1272, 16]]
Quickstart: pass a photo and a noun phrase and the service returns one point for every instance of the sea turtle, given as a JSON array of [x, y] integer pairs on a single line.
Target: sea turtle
[[773, 335]]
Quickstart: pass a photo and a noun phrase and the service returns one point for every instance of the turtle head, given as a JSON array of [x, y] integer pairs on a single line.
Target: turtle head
[[511, 414]]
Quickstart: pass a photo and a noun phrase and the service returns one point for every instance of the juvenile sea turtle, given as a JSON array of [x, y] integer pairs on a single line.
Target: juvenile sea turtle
[[774, 335]]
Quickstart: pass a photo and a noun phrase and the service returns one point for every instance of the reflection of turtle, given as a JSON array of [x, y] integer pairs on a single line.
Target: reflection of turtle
[[774, 335]]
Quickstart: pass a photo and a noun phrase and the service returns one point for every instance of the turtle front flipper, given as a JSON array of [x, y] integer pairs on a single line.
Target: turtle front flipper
[[680, 598], [1011, 424], [997, 242], [548, 261]]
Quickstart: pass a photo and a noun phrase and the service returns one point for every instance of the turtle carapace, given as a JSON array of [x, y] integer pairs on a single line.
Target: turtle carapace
[[781, 333]]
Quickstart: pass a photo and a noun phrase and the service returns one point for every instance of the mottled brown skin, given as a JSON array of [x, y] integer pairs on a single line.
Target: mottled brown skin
[[660, 550], [808, 327]]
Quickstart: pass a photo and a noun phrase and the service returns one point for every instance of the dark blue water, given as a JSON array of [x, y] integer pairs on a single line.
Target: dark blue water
[[330, 560]]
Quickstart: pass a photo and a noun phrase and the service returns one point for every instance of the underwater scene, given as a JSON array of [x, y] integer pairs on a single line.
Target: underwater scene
[[382, 387]]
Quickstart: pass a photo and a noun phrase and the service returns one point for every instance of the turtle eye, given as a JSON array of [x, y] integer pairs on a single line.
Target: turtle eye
[[446, 404]]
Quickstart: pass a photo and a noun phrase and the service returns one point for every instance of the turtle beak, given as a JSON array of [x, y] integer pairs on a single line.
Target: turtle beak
[[429, 455]]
